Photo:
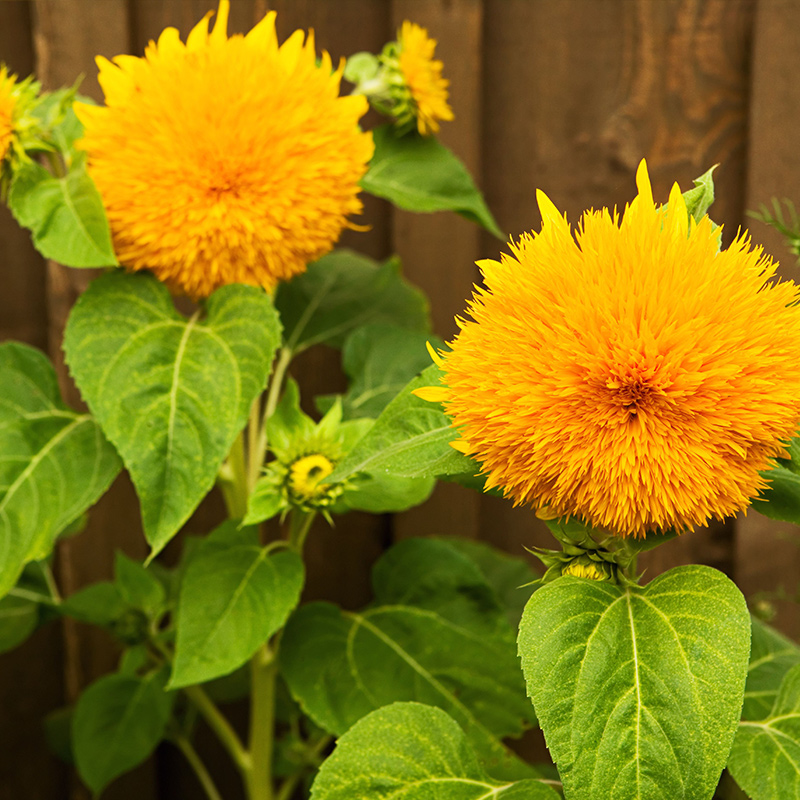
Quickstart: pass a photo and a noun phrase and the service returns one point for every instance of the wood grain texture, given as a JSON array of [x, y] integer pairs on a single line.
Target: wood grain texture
[[768, 553], [30, 686], [563, 95], [439, 251]]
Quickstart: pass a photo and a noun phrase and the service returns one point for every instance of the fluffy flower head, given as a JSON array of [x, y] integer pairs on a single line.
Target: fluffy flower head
[[423, 78], [630, 375], [225, 160], [7, 108]]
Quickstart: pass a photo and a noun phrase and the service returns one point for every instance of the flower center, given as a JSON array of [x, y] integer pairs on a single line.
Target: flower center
[[306, 476]]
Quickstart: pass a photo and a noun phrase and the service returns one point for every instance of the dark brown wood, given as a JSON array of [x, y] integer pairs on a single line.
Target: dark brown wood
[[31, 683], [562, 95], [439, 250], [768, 553]]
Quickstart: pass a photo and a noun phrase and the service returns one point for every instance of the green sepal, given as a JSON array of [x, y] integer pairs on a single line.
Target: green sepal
[[699, 199]]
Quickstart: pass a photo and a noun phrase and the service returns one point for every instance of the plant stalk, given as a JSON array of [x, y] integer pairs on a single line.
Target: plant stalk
[[264, 671]]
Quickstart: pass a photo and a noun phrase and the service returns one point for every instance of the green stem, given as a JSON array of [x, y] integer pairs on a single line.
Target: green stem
[[50, 580], [259, 452], [253, 435], [198, 767], [264, 671], [299, 526], [223, 730], [233, 482]]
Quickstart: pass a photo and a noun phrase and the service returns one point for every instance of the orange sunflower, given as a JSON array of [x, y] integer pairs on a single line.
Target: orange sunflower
[[631, 375], [423, 78], [225, 160]]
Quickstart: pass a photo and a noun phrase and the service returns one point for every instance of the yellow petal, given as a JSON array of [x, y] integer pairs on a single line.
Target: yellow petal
[[432, 394]]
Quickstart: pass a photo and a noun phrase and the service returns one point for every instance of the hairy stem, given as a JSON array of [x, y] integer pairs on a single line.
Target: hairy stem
[[264, 672]]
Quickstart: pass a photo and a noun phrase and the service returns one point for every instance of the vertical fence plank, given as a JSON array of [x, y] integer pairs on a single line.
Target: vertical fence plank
[[29, 686], [768, 558], [439, 251], [68, 34]]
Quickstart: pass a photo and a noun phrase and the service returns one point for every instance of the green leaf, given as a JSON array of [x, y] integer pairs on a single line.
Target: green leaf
[[19, 617], [772, 655], [118, 722], [55, 463], [411, 438], [343, 291], [418, 173], [765, 760], [409, 751], [138, 586], [638, 689], [782, 499], [58, 733], [98, 604], [65, 215], [380, 360], [384, 494], [341, 665], [235, 594], [509, 576], [171, 394], [699, 199]]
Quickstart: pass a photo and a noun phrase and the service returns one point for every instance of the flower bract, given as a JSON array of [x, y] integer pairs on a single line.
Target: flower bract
[[631, 374], [225, 159]]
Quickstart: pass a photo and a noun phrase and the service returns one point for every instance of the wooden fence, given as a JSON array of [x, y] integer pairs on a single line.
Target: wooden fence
[[564, 95]]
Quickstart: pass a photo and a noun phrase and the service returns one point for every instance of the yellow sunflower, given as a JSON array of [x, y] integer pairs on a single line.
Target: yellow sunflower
[[7, 108], [225, 160], [631, 375], [423, 77]]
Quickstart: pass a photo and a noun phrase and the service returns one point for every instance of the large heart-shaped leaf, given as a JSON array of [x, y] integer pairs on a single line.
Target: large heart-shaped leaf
[[418, 173], [54, 465], [343, 291], [410, 751], [342, 665], [765, 760], [234, 595], [171, 393], [638, 690], [118, 722]]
